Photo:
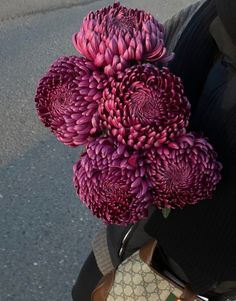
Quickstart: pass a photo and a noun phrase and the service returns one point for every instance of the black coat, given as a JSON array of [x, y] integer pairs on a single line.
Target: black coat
[[200, 238]]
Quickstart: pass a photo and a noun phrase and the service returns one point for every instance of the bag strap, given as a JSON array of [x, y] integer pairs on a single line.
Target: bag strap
[[188, 295], [102, 290], [147, 251]]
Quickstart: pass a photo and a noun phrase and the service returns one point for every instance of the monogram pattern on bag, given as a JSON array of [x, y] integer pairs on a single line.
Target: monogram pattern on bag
[[135, 281]]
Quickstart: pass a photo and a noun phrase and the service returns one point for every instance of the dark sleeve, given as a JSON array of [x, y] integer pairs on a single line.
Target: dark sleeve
[[175, 26], [195, 51], [202, 238], [215, 114]]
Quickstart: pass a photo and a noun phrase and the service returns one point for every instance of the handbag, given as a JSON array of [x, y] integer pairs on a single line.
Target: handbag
[[136, 280]]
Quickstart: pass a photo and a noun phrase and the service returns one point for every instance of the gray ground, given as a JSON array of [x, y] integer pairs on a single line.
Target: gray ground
[[45, 232]]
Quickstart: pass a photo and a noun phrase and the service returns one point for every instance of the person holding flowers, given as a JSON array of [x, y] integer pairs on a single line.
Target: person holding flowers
[[142, 112]]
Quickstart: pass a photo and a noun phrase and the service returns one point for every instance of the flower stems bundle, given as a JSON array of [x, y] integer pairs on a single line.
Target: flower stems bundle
[[124, 105]]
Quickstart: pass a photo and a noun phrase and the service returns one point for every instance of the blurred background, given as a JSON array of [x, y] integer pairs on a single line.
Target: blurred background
[[45, 232]]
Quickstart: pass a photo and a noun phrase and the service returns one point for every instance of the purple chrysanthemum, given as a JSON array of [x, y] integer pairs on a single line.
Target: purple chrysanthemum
[[111, 182], [67, 99], [145, 106], [184, 172], [115, 36]]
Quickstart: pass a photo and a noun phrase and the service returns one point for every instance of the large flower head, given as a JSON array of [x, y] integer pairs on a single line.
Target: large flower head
[[184, 172], [111, 181], [67, 99], [145, 106], [115, 36]]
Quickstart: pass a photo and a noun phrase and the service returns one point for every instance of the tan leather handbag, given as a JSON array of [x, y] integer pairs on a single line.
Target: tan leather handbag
[[136, 280]]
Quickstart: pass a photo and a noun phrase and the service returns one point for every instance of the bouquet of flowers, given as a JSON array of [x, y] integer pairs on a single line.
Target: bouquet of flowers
[[132, 117]]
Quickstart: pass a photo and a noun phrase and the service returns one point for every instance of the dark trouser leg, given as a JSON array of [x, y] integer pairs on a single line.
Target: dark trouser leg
[[87, 280]]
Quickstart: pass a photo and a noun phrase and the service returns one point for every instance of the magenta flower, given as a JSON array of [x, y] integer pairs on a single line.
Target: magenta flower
[[115, 36], [67, 99], [184, 172], [144, 107], [111, 182]]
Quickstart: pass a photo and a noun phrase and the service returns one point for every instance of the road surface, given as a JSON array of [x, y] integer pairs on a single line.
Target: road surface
[[45, 231]]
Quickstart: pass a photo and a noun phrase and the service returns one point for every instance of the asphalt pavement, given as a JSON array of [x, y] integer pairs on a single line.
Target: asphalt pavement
[[45, 232], [10, 9]]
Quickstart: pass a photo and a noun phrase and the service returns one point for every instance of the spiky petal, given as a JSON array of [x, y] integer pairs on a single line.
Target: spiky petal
[[67, 99], [145, 106], [111, 182], [115, 36], [184, 172]]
